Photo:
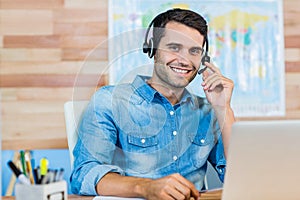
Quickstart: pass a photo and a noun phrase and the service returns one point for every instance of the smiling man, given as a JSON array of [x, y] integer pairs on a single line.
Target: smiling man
[[153, 138]]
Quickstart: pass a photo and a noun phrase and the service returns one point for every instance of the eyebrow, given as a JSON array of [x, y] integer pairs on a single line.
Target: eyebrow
[[173, 43], [198, 48]]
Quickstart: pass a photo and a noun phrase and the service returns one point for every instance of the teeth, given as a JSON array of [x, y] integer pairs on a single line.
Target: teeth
[[180, 70]]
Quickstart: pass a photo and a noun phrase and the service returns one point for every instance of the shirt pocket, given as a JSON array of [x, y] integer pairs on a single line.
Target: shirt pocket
[[142, 143], [202, 139], [201, 145]]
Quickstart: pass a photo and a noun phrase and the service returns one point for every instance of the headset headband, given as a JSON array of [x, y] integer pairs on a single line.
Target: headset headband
[[148, 47]]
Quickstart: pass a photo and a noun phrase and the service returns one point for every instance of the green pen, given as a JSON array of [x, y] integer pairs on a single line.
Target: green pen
[[22, 157]]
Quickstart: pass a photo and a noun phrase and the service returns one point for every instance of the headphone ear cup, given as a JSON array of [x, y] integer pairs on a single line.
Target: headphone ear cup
[[145, 47], [150, 48]]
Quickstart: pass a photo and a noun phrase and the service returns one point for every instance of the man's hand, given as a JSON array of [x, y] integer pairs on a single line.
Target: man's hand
[[170, 187], [217, 88]]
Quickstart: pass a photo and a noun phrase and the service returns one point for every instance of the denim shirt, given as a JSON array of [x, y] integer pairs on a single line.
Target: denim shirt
[[133, 130]]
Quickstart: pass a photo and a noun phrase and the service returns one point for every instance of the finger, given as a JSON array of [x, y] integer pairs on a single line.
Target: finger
[[220, 83], [193, 191], [211, 70], [173, 193], [217, 84], [175, 188], [208, 81], [211, 82], [228, 83], [205, 74], [183, 189], [167, 196], [195, 194], [212, 67]]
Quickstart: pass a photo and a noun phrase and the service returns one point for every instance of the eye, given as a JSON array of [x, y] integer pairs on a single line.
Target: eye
[[174, 47], [196, 51]]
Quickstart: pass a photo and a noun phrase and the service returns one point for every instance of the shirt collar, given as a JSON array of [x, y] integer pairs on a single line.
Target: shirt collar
[[148, 93], [143, 88]]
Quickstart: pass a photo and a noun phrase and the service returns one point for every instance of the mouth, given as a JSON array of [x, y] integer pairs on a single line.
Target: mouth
[[180, 70]]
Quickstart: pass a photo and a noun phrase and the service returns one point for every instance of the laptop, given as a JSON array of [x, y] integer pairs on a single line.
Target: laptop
[[263, 161]]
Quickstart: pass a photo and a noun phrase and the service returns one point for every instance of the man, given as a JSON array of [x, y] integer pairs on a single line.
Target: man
[[152, 138]]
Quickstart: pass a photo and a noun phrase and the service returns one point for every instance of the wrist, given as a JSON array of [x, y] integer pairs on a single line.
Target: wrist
[[226, 107], [140, 188], [224, 114]]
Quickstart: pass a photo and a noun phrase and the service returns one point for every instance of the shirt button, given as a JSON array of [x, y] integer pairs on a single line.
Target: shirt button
[[143, 141], [171, 112], [202, 141], [174, 133], [174, 157]]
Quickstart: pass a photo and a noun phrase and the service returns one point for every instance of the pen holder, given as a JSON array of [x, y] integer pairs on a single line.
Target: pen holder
[[51, 191]]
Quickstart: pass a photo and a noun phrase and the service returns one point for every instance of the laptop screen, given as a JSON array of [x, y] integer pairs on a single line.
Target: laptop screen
[[263, 161]]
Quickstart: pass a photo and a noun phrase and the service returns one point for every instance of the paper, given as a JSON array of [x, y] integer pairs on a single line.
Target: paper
[[212, 190], [115, 198]]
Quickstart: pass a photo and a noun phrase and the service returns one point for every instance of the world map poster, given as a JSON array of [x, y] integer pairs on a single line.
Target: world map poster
[[245, 41]]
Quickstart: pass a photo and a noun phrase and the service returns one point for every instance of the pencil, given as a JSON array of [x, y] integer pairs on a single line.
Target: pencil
[[29, 168]]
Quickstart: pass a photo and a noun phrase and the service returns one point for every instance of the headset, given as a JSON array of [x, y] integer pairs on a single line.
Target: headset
[[148, 47]]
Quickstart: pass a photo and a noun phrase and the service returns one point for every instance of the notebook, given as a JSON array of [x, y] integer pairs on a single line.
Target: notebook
[[114, 198], [263, 161]]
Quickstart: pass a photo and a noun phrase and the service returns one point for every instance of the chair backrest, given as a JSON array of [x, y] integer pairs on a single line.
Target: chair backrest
[[73, 111]]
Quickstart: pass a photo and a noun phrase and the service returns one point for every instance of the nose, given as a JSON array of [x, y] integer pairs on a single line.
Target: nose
[[183, 57]]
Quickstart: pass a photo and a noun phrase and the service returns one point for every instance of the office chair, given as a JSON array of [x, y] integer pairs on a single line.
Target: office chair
[[73, 111], [211, 179]]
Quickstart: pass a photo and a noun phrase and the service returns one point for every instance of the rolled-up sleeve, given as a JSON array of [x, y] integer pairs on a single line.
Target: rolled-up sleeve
[[217, 156], [95, 147]]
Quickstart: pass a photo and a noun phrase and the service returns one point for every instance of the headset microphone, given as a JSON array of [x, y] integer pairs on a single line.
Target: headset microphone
[[205, 58], [202, 70]]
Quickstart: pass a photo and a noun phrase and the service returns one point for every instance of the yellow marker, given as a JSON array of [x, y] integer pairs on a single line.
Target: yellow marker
[[43, 168]]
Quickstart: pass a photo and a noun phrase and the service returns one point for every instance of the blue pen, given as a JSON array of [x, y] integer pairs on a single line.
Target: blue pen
[[60, 174], [34, 171], [55, 175]]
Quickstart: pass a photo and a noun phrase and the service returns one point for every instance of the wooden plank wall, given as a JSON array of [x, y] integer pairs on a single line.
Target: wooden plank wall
[[44, 45]]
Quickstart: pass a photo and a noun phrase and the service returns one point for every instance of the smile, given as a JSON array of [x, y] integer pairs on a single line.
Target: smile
[[182, 71]]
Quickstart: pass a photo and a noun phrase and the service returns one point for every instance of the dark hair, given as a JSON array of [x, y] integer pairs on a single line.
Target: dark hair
[[186, 17]]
